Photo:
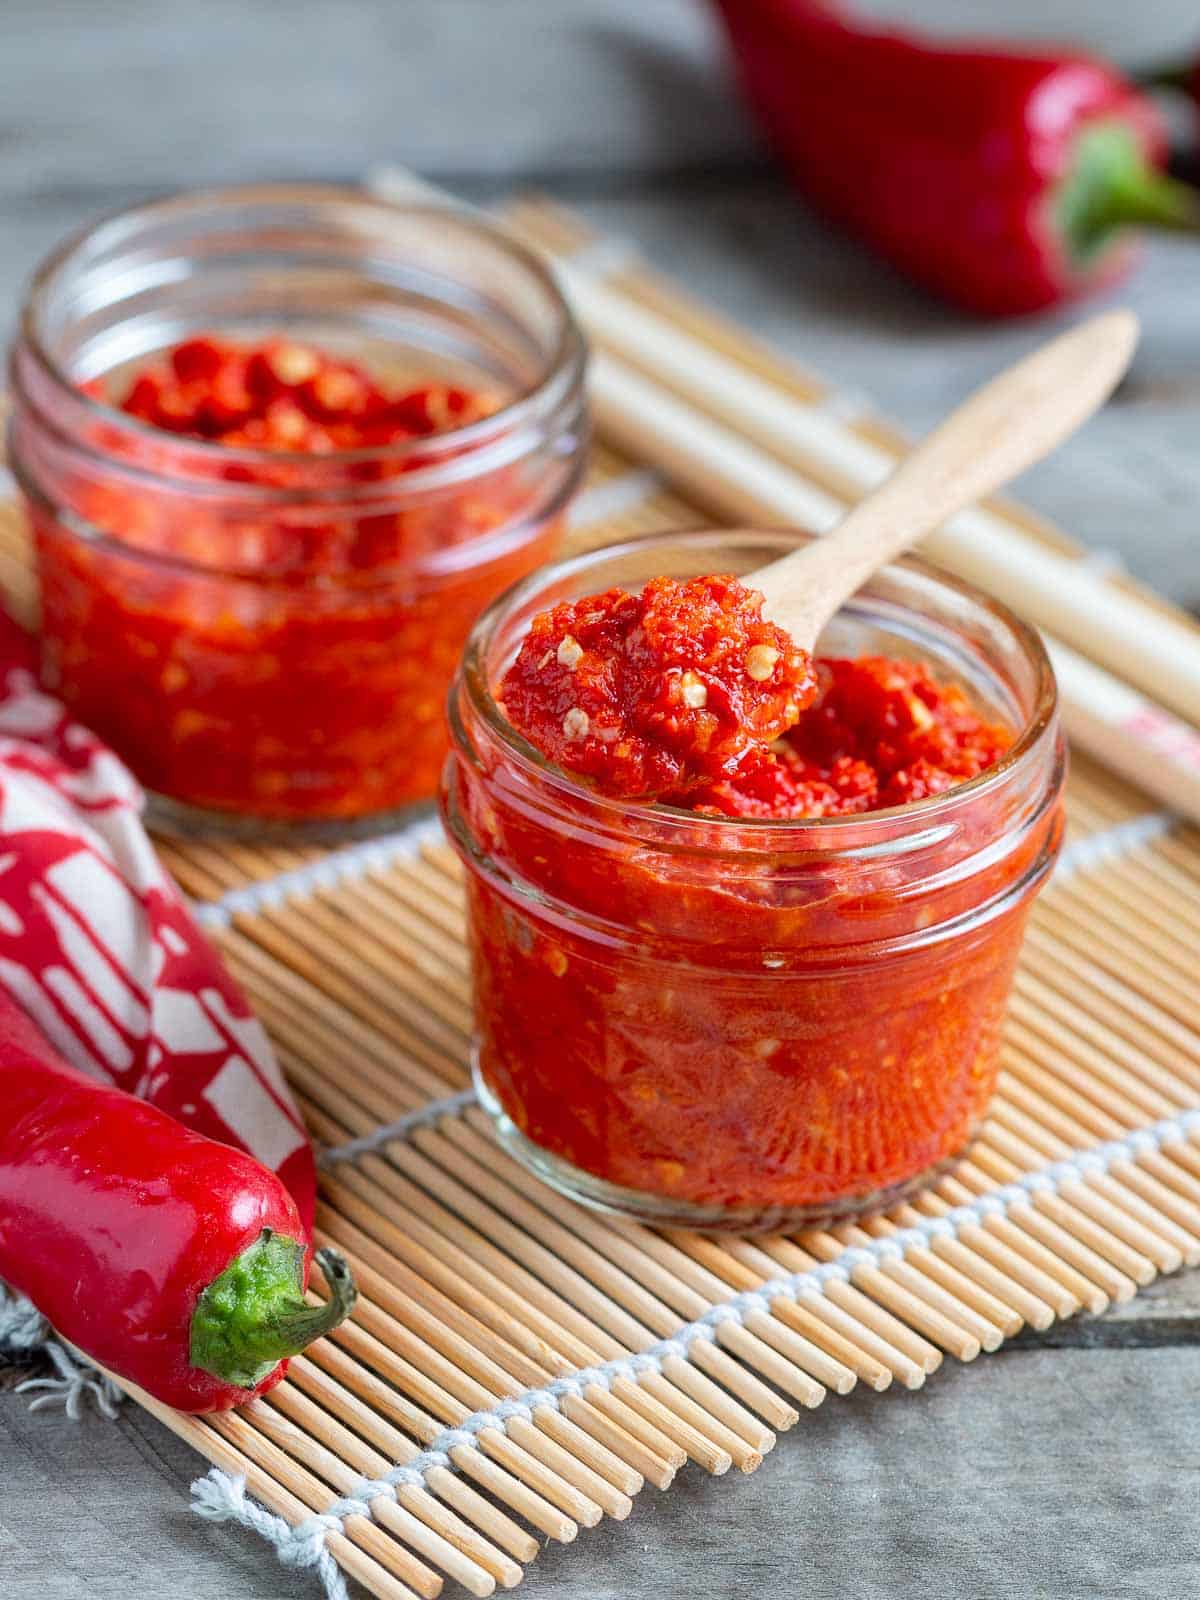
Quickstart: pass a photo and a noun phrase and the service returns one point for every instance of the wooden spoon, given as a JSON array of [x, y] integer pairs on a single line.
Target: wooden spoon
[[1006, 426]]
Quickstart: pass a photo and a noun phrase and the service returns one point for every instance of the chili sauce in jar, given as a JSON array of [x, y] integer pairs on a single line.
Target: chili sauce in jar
[[280, 446], [768, 990]]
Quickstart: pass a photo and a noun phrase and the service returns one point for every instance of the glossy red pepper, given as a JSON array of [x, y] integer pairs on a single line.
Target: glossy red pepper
[[176, 1262], [1003, 180]]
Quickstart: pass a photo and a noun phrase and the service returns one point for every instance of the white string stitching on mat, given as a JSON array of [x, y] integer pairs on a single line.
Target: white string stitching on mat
[[221, 1497], [25, 1332], [452, 1106], [304, 1545], [339, 866]]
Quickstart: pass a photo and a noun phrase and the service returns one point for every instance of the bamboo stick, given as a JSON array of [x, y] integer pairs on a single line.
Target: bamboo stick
[[655, 1435], [1121, 959], [816, 1320], [583, 1341], [853, 1298], [354, 954], [1089, 1277], [972, 1278], [365, 992], [1098, 909], [740, 1427], [625, 1290], [665, 1407], [395, 1448], [989, 1169], [417, 925], [1040, 1286], [1174, 1195], [918, 1301], [1084, 1067], [476, 1354], [692, 1291], [1103, 1017], [579, 1289], [921, 1303], [239, 1431], [542, 1503], [265, 1487], [1076, 969], [454, 1394], [1091, 1198], [275, 1424], [477, 1553], [489, 1299], [353, 1364], [641, 1267]]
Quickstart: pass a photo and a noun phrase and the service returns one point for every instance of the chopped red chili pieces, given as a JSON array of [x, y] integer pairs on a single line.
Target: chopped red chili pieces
[[880, 733], [685, 693], [280, 395], [660, 691]]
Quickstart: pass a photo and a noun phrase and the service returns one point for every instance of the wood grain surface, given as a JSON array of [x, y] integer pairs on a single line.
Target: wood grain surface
[[622, 107]]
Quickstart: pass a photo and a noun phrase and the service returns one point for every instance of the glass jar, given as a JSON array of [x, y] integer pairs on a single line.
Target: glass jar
[[266, 635], [715, 1022]]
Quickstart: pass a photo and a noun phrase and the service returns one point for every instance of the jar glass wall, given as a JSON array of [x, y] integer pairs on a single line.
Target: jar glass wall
[[266, 635], [731, 1022]]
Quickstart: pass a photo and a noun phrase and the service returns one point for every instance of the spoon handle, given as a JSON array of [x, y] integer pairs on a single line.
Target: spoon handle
[[1013, 421]]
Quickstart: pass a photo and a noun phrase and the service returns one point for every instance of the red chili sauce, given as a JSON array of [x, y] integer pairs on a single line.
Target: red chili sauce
[[288, 660], [279, 395], [684, 693], [738, 1030], [657, 692]]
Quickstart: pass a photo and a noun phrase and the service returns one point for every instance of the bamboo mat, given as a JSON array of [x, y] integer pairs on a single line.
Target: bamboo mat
[[519, 1368]]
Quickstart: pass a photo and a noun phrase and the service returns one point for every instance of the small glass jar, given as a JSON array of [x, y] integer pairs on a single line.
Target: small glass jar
[[742, 1023], [263, 635]]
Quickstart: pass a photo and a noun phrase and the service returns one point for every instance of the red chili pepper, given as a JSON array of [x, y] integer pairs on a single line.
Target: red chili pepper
[[177, 1262], [1003, 180]]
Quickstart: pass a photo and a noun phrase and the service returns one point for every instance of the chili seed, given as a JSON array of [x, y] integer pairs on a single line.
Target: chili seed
[[570, 653], [695, 694], [760, 661], [293, 364]]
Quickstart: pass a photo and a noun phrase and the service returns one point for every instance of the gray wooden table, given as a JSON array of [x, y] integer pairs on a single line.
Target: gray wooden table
[[1064, 1467]]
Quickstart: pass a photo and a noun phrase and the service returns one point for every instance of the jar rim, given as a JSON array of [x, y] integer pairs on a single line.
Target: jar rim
[[926, 813], [560, 372]]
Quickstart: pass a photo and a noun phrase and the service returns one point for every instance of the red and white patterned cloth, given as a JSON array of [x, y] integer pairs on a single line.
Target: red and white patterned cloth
[[97, 945]]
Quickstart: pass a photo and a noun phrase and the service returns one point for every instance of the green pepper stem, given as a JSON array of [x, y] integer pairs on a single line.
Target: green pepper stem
[[255, 1315], [1152, 200], [1112, 186]]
